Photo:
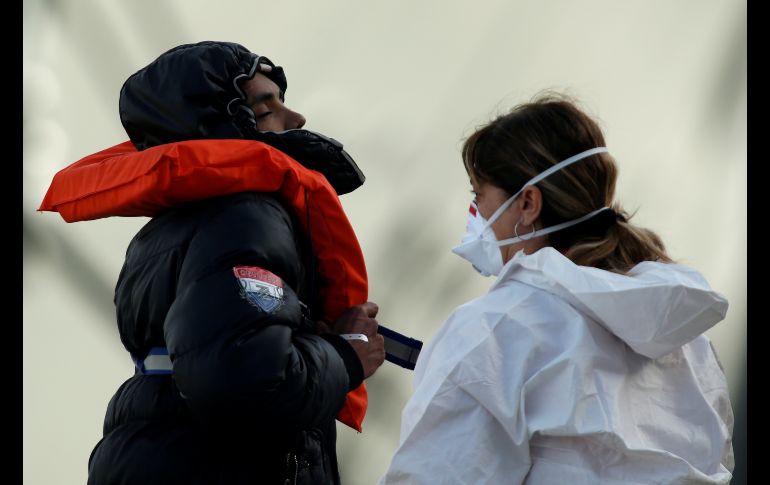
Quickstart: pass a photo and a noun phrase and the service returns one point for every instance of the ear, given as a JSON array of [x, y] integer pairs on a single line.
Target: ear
[[530, 203]]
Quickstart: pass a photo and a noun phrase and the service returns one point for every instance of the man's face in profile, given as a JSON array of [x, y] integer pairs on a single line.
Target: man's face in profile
[[265, 98]]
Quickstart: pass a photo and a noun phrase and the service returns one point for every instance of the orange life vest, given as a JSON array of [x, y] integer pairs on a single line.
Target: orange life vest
[[121, 181]]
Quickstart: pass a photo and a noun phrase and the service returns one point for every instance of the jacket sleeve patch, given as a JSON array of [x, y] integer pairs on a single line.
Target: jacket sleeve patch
[[260, 287]]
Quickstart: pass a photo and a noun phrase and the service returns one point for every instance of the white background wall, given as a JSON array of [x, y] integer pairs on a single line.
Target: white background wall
[[401, 84]]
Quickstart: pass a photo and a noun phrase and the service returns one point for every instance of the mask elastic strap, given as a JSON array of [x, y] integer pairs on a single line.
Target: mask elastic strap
[[500, 210], [541, 176], [548, 230], [563, 164]]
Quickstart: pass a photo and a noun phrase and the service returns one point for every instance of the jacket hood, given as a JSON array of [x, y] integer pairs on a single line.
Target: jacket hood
[[655, 308], [190, 92]]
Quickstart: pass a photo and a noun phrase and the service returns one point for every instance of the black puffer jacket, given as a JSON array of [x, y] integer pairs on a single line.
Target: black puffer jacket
[[254, 391], [260, 389]]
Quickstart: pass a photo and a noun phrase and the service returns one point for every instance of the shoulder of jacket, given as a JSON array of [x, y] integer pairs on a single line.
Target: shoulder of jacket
[[185, 220], [239, 207]]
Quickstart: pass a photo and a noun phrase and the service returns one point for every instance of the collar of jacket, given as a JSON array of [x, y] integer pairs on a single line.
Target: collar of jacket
[[121, 181]]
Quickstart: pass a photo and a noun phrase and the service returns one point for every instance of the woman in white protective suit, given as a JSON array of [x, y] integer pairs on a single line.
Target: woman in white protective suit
[[586, 362]]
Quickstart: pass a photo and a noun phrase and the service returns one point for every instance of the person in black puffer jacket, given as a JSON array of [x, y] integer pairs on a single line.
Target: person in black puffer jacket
[[239, 371]]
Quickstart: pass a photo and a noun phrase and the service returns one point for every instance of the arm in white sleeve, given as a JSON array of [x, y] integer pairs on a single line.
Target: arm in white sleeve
[[456, 440]]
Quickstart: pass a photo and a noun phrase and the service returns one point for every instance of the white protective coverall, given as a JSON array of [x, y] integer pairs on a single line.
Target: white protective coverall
[[571, 375]]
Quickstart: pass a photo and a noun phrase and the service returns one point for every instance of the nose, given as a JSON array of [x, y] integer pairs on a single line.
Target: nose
[[297, 119]]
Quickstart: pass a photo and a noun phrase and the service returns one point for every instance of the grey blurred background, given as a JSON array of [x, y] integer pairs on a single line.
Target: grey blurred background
[[401, 84]]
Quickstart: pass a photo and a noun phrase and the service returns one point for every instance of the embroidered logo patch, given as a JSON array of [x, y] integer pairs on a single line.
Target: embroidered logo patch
[[260, 287]]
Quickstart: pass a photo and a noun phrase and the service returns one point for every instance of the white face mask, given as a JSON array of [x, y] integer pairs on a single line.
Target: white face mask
[[480, 245]]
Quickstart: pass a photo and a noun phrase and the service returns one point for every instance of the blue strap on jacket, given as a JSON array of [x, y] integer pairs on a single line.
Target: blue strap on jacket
[[157, 362], [399, 349]]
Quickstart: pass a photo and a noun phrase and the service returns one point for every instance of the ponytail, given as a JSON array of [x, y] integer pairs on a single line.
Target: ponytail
[[623, 246]]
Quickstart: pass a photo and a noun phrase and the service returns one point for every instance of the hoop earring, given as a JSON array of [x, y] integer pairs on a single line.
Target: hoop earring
[[524, 238]]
